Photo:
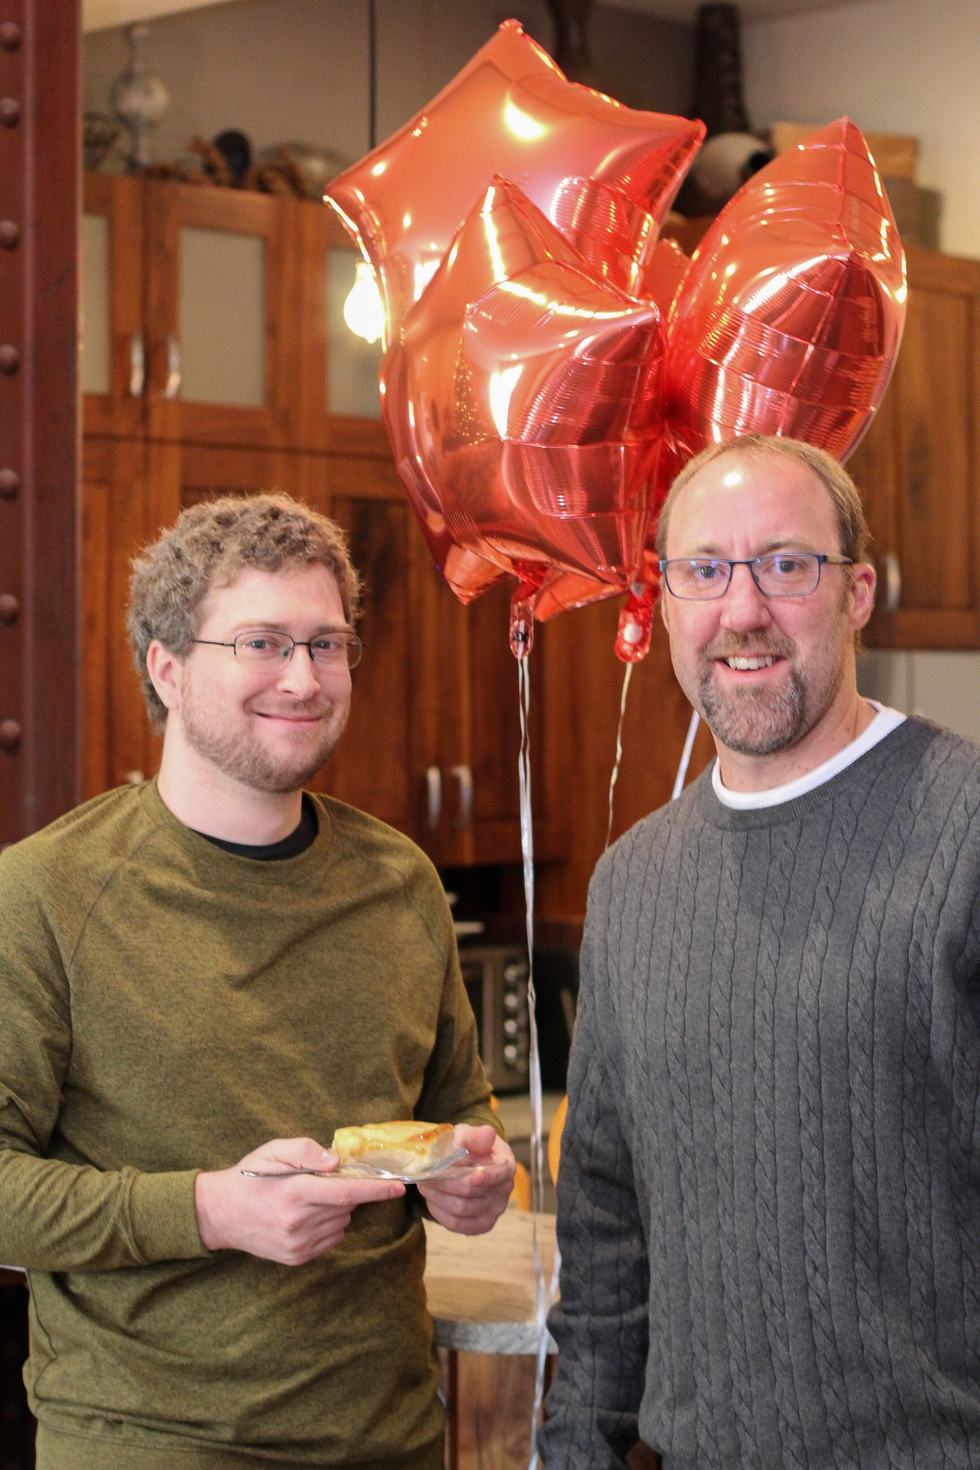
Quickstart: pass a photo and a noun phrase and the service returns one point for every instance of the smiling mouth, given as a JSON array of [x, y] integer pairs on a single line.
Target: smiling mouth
[[296, 719], [745, 662]]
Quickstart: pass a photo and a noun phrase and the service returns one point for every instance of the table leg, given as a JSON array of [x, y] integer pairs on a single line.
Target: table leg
[[452, 1409]]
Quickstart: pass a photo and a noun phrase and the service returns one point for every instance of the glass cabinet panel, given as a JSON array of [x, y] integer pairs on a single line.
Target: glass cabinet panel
[[222, 317], [352, 363], [96, 309]]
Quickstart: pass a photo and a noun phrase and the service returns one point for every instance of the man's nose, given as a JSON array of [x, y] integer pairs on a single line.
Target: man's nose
[[299, 674], [743, 605]]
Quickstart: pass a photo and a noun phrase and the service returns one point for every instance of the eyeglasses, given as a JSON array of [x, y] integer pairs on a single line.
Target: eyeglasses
[[783, 574], [329, 650]]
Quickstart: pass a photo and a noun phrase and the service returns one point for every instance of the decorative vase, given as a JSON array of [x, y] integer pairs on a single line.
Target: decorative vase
[[139, 98]]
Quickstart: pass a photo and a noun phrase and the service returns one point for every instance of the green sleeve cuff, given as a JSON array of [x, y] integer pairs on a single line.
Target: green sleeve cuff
[[164, 1216]]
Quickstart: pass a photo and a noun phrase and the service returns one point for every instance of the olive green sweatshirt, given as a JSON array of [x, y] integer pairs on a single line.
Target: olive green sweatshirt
[[165, 1007]]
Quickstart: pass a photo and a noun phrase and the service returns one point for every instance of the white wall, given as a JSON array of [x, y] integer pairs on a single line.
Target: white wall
[[945, 687], [296, 70], [897, 66]]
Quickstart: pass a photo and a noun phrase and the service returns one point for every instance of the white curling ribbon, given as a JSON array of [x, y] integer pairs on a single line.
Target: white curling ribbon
[[692, 730], [544, 1292], [627, 676]]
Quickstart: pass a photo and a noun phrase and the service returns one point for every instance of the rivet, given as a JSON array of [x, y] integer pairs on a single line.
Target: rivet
[[10, 35], [10, 733], [9, 234], [9, 112], [9, 608], [9, 358], [9, 484]]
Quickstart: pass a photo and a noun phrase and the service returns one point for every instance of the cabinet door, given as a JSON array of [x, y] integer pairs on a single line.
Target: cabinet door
[[116, 740], [372, 767], [338, 390], [919, 466], [468, 719], [112, 340], [222, 299]]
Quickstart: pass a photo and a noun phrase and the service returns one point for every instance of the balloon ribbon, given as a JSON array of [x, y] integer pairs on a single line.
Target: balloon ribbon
[[627, 676], [544, 1293]]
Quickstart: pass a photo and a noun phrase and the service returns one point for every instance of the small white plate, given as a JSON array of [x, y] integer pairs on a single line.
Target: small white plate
[[367, 1171]]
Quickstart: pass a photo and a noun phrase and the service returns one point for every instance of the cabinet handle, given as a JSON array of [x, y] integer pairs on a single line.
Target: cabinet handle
[[137, 365], [464, 776], [433, 786], [893, 582], [173, 368]]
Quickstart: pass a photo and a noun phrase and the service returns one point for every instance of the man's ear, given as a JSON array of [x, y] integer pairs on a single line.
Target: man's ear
[[166, 673], [863, 580]]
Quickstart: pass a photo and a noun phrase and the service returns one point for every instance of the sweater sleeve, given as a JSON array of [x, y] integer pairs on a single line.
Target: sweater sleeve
[[600, 1323], [455, 1089], [57, 1215]]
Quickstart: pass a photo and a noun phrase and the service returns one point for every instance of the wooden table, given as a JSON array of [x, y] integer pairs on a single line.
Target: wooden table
[[481, 1297], [481, 1287]]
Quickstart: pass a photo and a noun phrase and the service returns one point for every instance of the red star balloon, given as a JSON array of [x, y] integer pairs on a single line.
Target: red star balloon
[[524, 402], [537, 406], [787, 322], [790, 319], [604, 174]]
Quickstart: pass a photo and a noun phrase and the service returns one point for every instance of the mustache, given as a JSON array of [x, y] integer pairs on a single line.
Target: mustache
[[728, 645]]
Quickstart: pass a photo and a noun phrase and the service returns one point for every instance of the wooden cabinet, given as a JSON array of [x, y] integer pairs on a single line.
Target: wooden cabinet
[[214, 316], [919, 466], [117, 745], [113, 361]]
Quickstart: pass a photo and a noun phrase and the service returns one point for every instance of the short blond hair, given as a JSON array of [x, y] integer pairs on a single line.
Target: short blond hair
[[852, 523], [206, 548]]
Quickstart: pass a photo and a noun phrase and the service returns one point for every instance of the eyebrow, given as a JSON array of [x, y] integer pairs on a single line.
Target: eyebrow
[[775, 543], [260, 627]]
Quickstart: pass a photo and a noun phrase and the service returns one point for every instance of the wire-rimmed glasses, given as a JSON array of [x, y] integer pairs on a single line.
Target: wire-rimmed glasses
[[778, 574], [261, 646]]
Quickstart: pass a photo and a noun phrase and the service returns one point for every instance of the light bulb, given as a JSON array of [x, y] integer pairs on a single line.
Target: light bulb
[[363, 311]]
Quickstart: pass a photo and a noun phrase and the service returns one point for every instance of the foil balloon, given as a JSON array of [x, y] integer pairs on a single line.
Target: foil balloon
[[524, 403], [562, 591], [790, 317], [663, 275], [605, 175]]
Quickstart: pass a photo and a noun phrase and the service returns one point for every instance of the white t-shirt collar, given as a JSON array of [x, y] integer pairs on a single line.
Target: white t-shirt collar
[[885, 721]]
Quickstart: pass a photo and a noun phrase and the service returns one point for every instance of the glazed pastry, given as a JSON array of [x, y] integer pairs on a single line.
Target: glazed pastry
[[401, 1148]]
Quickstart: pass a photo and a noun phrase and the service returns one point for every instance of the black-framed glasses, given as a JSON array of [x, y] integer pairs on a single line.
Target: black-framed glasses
[[780, 574], [262, 646]]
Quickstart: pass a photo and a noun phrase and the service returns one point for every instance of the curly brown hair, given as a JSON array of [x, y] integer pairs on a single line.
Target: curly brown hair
[[206, 547]]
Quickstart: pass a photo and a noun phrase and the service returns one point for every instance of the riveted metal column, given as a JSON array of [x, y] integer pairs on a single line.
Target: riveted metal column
[[39, 448]]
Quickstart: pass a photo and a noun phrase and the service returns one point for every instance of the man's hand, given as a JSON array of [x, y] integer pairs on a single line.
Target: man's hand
[[287, 1220], [470, 1203]]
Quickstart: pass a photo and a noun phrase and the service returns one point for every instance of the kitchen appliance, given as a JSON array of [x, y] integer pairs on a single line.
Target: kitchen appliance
[[495, 977]]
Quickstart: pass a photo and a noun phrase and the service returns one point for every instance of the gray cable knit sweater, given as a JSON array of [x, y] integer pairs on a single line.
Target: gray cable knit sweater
[[769, 1197]]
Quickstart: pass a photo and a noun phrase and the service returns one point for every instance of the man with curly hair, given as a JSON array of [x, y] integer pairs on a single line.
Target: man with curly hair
[[207, 974]]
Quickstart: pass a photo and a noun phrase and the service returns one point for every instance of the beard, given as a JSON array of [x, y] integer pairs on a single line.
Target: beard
[[762, 721], [232, 745]]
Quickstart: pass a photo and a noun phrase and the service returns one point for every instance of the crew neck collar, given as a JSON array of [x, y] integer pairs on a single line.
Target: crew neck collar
[[885, 721], [896, 754], [216, 863]]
